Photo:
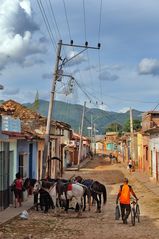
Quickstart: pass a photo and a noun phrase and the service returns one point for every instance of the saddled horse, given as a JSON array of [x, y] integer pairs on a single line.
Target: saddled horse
[[96, 188], [42, 198], [64, 191], [64, 188]]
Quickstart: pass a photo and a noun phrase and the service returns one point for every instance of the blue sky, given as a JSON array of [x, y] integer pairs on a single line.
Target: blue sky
[[124, 73]]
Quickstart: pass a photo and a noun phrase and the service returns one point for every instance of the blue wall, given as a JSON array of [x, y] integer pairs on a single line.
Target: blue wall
[[29, 151]]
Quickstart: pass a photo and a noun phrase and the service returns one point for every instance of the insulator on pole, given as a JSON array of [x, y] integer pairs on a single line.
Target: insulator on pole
[[99, 45], [86, 43]]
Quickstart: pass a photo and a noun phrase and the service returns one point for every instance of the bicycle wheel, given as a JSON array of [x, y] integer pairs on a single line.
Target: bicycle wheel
[[138, 213], [133, 216]]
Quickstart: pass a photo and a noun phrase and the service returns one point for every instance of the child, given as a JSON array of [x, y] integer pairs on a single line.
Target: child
[[18, 182]]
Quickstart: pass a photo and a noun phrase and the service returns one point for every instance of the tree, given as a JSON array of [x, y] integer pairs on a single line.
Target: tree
[[136, 125], [114, 127], [36, 103]]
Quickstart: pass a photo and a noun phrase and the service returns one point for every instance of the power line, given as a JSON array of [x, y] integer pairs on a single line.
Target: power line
[[53, 14], [100, 20], [84, 17], [52, 23], [82, 89], [99, 58], [45, 19], [67, 19]]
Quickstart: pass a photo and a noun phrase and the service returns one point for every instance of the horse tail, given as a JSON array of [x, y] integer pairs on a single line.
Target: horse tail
[[104, 191]]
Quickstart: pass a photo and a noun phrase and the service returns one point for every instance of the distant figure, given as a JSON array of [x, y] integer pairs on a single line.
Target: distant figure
[[111, 157], [130, 164], [18, 190]]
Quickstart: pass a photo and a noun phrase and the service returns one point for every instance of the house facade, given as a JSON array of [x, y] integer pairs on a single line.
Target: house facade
[[150, 128], [22, 150]]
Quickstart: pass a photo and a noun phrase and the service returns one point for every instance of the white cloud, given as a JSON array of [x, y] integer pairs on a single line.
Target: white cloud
[[25, 4], [148, 67], [124, 110], [16, 31], [74, 59]]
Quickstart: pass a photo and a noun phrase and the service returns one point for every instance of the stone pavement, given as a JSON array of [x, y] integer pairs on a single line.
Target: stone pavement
[[12, 212], [150, 184], [142, 178]]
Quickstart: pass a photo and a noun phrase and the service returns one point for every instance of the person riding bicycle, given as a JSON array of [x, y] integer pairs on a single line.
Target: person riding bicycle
[[123, 196]]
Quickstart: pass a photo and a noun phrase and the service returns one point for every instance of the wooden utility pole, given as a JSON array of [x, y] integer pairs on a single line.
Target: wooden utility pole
[[50, 111], [132, 136], [52, 96], [81, 132]]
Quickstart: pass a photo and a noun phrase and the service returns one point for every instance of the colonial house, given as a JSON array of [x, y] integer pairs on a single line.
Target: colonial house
[[111, 142], [23, 150], [72, 150], [150, 128], [9, 136], [100, 144]]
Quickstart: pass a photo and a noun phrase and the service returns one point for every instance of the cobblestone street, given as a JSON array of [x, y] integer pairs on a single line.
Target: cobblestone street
[[91, 224]]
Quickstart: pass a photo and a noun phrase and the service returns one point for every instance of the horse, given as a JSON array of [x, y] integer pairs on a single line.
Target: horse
[[64, 191], [42, 198], [96, 188], [65, 187], [29, 185]]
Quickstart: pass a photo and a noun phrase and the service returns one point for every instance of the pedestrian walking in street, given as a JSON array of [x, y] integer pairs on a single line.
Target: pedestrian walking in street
[[130, 164], [18, 190], [123, 196]]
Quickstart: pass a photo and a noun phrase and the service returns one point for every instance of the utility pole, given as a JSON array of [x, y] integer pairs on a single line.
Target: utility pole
[[50, 110], [52, 96], [132, 136], [94, 141], [81, 132], [91, 133]]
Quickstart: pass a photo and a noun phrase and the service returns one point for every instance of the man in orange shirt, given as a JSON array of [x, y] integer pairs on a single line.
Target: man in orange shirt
[[123, 196]]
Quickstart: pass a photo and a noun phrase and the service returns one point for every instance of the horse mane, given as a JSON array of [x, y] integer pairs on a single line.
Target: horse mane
[[79, 179], [47, 184]]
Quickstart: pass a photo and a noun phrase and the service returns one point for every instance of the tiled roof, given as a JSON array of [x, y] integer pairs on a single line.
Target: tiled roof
[[17, 110]]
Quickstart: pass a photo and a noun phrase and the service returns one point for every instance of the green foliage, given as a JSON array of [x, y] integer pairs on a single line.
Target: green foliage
[[114, 127], [136, 125], [36, 103]]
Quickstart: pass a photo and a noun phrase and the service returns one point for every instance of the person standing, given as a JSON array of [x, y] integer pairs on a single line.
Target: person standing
[[18, 190], [123, 196], [130, 164]]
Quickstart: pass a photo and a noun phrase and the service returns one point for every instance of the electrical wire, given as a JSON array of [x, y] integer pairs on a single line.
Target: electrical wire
[[45, 19], [56, 24], [84, 17], [67, 19], [99, 57], [52, 22], [100, 20]]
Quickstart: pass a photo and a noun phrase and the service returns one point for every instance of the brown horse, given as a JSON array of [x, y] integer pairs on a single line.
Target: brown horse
[[96, 188]]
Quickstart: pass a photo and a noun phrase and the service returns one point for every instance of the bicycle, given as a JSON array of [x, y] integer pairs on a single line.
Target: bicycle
[[135, 212]]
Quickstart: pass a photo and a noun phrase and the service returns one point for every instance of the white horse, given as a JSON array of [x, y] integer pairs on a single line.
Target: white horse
[[57, 191]]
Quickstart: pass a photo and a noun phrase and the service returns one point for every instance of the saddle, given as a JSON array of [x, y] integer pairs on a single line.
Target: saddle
[[66, 187]]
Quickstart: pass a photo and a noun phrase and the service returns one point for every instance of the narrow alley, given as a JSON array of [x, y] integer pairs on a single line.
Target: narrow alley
[[91, 224]]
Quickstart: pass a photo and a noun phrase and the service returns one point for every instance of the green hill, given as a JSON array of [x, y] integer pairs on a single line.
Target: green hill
[[72, 114]]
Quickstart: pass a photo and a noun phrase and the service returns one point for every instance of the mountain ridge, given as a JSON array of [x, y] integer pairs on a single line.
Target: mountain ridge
[[72, 114]]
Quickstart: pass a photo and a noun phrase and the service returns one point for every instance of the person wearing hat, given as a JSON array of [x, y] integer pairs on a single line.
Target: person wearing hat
[[123, 196]]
